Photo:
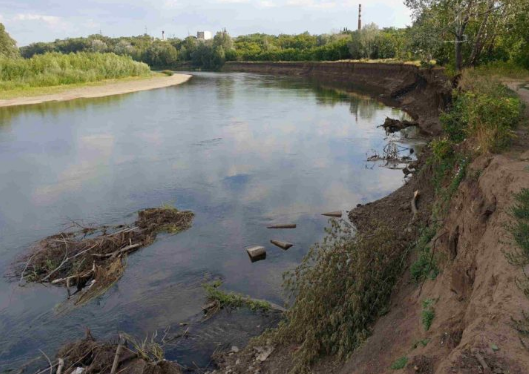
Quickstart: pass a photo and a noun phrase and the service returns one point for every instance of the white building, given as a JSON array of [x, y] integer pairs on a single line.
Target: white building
[[204, 35]]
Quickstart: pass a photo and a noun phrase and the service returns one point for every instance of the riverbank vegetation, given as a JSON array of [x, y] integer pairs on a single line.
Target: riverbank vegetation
[[56, 69]]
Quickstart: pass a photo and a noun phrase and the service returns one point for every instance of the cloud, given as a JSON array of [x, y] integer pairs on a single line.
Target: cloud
[[50, 20], [319, 4]]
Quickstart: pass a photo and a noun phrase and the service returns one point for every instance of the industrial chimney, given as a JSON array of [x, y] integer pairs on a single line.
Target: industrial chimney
[[163, 35], [359, 17]]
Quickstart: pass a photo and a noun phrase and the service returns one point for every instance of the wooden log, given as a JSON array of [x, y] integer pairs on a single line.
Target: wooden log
[[282, 245], [288, 226], [256, 253], [337, 214], [115, 364], [61, 366]]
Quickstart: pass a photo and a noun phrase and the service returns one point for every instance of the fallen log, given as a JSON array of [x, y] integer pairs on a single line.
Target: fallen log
[[282, 245], [256, 253], [289, 226], [337, 214]]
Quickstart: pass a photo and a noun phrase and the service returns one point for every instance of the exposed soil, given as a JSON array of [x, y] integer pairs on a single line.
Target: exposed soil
[[94, 257], [108, 89]]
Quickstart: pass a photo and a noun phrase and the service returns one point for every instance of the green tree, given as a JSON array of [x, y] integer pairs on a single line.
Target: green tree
[[8, 46]]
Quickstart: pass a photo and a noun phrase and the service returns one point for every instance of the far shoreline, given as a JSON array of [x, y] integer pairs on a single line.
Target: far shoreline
[[99, 89]]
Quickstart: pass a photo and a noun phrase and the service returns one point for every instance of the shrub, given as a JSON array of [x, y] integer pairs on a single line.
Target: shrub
[[428, 313], [399, 364], [425, 266], [340, 288]]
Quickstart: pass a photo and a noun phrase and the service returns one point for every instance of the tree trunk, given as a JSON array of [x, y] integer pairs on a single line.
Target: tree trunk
[[459, 52]]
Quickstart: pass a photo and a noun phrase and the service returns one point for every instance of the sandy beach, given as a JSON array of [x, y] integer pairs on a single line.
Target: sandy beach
[[110, 89]]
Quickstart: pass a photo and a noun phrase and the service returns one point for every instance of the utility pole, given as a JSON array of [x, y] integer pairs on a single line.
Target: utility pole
[[359, 17]]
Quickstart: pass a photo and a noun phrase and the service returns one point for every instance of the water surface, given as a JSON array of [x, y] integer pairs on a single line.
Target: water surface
[[242, 151]]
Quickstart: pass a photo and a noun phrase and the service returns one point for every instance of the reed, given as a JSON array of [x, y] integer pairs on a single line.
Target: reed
[[56, 69]]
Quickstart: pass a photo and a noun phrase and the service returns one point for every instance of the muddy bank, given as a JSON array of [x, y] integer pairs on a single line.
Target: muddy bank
[[109, 89], [423, 93]]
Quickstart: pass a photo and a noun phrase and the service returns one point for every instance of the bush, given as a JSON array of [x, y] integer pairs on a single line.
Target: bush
[[340, 288], [426, 265], [428, 313], [54, 69], [399, 364]]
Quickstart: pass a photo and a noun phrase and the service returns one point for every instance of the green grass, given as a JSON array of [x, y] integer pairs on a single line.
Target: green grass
[[428, 313], [232, 299], [55, 69], [399, 364], [425, 267]]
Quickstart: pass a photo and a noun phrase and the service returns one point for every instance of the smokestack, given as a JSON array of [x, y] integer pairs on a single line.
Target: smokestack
[[163, 35], [359, 17]]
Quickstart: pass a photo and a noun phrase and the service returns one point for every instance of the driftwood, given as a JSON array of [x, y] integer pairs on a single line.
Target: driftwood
[[282, 245], [115, 364], [288, 226], [414, 204], [61, 366], [256, 253], [118, 252], [337, 214]]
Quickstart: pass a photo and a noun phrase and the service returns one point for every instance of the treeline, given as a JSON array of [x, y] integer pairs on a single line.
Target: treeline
[[453, 33]]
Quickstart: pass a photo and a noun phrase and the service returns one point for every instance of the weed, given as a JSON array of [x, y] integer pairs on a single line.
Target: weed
[[169, 73], [428, 313], [232, 300], [423, 343], [399, 364], [425, 267]]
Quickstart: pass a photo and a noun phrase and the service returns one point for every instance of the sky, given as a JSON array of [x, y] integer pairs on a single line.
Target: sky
[[30, 21]]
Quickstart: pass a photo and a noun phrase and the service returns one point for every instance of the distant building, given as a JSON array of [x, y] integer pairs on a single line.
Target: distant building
[[204, 35]]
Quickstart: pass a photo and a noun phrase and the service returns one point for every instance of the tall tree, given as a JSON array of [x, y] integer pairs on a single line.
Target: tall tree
[[8, 46], [473, 22]]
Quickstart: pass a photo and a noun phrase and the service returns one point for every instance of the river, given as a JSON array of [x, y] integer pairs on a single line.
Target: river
[[242, 151]]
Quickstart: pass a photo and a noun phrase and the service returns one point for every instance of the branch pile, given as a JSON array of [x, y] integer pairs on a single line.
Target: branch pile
[[94, 257]]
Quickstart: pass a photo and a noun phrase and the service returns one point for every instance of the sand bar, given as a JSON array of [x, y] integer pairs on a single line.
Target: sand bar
[[110, 89]]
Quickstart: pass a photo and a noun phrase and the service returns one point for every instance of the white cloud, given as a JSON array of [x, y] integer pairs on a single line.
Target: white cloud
[[50, 20], [320, 4]]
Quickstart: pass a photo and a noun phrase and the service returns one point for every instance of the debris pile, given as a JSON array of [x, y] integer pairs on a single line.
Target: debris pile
[[93, 258]]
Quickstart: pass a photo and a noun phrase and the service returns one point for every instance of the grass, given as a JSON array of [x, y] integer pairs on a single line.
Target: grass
[[423, 343], [428, 313], [425, 267], [224, 299], [399, 364], [55, 69]]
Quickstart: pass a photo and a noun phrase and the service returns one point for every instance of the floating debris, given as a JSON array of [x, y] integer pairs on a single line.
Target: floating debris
[[393, 125], [288, 226], [337, 214], [257, 253], [93, 258], [282, 245]]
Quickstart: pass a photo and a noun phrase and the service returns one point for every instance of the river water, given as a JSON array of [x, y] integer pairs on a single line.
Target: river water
[[242, 151]]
